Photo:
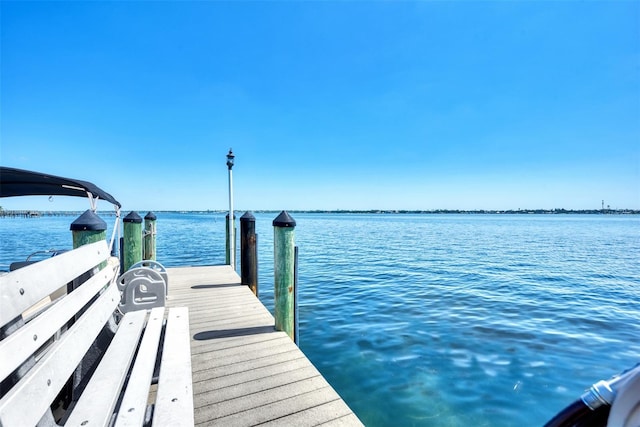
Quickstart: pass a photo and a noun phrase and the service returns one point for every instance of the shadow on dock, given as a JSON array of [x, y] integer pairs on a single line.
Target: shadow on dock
[[238, 332]]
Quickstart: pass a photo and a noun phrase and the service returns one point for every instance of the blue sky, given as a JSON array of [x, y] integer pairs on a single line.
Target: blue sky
[[327, 105]]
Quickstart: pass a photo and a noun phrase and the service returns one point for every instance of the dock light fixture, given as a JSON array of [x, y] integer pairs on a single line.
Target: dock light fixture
[[232, 237], [230, 158]]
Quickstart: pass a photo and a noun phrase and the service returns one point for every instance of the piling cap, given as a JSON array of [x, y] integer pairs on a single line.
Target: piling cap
[[88, 221], [248, 216], [234, 216], [150, 216], [132, 217], [284, 220]]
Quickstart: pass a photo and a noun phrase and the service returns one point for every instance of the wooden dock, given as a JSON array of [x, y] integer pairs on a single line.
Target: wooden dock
[[244, 372]]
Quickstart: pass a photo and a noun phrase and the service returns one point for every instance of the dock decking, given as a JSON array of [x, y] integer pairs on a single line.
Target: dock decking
[[244, 372]]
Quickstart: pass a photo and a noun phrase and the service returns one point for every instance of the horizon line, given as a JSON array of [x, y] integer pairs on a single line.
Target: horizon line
[[8, 212]]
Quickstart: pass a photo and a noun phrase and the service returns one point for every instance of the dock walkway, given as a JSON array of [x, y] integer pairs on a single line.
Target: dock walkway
[[244, 372]]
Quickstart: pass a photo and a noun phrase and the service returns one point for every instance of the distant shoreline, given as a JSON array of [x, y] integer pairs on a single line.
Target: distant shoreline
[[35, 213]]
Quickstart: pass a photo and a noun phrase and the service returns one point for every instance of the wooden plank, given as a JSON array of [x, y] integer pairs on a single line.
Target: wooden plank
[[20, 289], [27, 401], [240, 386], [270, 404], [333, 412], [17, 347], [263, 356], [174, 401], [134, 401], [250, 353], [98, 401], [346, 420]]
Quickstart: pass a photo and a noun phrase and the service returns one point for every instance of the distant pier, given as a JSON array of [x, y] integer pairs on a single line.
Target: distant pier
[[20, 214], [5, 213]]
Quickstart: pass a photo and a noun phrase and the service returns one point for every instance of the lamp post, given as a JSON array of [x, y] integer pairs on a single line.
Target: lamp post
[[232, 246]]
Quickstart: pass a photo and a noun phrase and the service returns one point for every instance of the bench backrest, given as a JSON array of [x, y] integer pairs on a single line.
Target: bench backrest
[[40, 348]]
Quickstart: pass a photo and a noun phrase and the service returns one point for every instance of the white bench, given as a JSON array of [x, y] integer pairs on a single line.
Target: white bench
[[76, 360]]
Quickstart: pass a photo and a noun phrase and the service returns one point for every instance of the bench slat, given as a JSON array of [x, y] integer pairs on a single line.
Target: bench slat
[[134, 402], [41, 279], [174, 401], [17, 347], [96, 405], [27, 401]]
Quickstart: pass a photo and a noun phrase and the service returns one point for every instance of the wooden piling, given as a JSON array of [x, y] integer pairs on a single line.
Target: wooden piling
[[149, 248], [249, 252], [132, 231], [284, 273], [88, 228]]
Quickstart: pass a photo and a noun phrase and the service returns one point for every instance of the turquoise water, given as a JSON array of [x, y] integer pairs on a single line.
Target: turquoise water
[[436, 320]]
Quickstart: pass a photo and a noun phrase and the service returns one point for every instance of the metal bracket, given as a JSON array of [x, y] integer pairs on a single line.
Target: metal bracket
[[142, 288]]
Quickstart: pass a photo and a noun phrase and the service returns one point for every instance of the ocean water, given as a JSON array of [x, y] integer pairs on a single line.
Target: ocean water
[[435, 320]]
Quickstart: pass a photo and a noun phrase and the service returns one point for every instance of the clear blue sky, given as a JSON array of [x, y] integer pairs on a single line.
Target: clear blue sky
[[327, 105]]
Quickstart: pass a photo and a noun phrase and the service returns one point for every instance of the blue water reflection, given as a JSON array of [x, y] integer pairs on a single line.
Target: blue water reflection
[[437, 320]]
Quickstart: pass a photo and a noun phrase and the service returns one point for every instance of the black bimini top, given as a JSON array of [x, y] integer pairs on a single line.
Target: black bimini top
[[18, 182]]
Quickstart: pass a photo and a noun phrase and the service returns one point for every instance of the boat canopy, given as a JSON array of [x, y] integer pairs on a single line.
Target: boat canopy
[[18, 182]]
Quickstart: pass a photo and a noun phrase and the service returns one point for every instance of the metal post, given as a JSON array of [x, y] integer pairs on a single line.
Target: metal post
[[284, 273], [249, 252], [232, 245]]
